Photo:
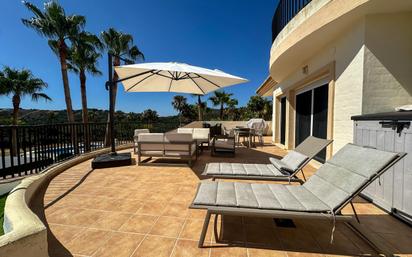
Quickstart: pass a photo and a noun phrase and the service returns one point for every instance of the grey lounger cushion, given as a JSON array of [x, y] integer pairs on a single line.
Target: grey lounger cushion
[[290, 163], [333, 184], [242, 169]]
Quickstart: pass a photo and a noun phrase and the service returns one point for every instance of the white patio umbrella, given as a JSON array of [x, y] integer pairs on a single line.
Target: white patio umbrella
[[173, 77]]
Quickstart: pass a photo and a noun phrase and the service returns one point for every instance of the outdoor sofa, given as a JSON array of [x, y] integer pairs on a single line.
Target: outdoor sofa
[[137, 132], [285, 169], [177, 145], [201, 135], [335, 184]]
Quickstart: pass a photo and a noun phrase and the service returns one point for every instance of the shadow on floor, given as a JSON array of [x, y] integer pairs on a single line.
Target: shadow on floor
[[55, 248]]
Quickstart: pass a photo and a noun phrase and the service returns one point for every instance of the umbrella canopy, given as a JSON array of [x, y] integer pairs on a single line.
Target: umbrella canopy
[[173, 77]]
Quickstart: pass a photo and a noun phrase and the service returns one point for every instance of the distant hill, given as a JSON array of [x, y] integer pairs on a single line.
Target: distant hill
[[35, 117]]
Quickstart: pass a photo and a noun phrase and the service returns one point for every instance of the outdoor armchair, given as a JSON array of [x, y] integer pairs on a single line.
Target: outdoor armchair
[[285, 169], [335, 184]]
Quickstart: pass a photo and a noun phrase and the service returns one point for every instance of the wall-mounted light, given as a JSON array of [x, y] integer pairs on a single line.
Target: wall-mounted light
[[305, 70]]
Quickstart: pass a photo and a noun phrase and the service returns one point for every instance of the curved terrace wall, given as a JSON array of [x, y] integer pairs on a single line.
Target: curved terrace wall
[[25, 234]]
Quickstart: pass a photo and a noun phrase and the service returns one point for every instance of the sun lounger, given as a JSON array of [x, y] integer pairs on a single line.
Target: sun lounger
[[285, 169], [322, 196]]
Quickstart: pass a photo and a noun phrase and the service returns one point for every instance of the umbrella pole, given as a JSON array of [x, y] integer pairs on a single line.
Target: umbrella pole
[[111, 159], [111, 106]]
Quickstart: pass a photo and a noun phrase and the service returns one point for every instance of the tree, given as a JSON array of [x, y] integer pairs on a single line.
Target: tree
[[20, 83], [189, 112], [221, 98], [149, 116], [83, 58], [231, 108], [178, 104], [57, 27], [201, 106], [121, 46], [259, 106]]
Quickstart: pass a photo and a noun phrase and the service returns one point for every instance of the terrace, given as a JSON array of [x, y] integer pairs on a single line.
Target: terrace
[[143, 211]]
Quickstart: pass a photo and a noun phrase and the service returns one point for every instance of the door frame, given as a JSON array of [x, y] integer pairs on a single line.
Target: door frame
[[326, 73]]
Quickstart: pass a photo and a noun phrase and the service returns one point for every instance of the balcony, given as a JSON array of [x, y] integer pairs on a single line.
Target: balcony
[[285, 11]]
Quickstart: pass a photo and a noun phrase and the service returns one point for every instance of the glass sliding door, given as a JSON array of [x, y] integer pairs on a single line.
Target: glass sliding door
[[283, 120], [312, 116], [303, 116], [320, 116]]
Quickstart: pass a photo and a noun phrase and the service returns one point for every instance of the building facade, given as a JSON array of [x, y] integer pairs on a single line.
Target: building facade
[[332, 59]]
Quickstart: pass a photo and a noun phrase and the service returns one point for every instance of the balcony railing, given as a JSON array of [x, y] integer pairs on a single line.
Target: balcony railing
[[285, 11], [26, 150]]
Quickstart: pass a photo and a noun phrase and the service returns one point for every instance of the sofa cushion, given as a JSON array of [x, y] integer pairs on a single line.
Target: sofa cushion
[[185, 130], [151, 147], [151, 137], [178, 137], [201, 133]]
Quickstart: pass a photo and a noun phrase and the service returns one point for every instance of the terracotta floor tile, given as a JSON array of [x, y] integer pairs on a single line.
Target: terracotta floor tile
[[231, 233], [176, 209], [193, 227], [64, 234], [167, 226], [155, 246], [166, 191], [86, 217], [62, 215], [228, 252], [259, 234], [139, 224], [88, 241], [196, 214], [189, 248], [120, 245], [256, 252], [111, 220], [152, 208], [304, 254], [128, 205]]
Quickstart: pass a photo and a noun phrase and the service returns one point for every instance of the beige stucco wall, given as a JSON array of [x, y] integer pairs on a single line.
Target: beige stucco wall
[[388, 62], [347, 52], [373, 69]]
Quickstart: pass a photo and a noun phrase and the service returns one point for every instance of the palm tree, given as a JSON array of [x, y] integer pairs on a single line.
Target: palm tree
[[200, 107], [20, 83], [220, 99], [178, 104], [54, 24], [121, 46], [83, 58], [231, 104]]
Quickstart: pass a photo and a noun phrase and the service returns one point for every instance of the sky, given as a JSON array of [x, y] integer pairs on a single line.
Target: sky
[[229, 35]]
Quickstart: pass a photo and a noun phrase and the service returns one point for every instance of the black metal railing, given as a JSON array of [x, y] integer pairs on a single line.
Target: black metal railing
[[285, 11], [26, 150]]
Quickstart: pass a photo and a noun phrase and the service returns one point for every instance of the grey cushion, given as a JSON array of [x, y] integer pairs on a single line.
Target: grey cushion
[[333, 184], [291, 162], [346, 172], [260, 196], [242, 169]]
